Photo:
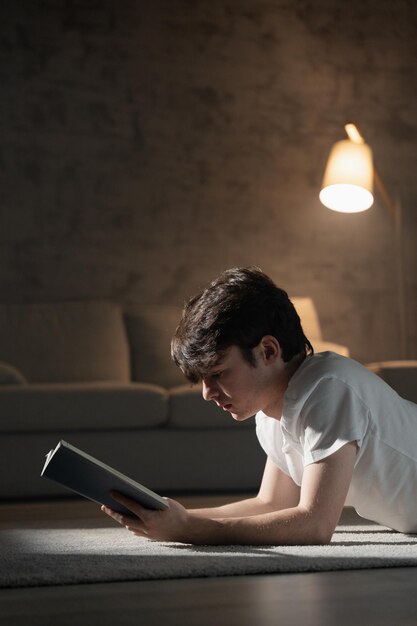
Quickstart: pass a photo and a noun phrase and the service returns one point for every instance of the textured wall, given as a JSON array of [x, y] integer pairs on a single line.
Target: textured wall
[[147, 145]]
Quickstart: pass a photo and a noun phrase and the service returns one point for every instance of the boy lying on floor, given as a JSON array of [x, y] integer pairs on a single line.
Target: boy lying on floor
[[334, 432]]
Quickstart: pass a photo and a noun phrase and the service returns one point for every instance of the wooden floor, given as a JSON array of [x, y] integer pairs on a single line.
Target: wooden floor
[[384, 597]]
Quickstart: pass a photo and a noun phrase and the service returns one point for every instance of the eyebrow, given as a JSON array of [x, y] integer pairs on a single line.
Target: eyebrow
[[223, 356], [216, 369], [221, 363]]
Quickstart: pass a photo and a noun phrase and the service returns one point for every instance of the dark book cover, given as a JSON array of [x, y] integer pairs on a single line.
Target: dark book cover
[[89, 477]]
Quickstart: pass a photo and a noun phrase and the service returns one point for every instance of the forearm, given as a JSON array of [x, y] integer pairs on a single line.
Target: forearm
[[242, 508], [286, 527], [304, 517], [295, 525]]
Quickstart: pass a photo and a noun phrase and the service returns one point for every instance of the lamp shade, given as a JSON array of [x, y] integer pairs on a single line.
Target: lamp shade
[[348, 179]]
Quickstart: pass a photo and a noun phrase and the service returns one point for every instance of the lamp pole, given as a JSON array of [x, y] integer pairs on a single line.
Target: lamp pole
[[348, 173], [400, 277], [395, 209]]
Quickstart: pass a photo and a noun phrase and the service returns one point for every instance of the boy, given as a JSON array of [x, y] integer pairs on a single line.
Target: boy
[[334, 433]]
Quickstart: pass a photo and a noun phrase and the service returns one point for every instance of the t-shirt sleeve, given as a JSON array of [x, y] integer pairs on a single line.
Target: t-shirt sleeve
[[332, 416], [269, 436]]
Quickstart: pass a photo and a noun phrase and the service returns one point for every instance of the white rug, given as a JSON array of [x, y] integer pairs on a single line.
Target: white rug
[[58, 556]]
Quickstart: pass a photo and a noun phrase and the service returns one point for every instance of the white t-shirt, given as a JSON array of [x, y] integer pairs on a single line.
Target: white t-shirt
[[332, 400]]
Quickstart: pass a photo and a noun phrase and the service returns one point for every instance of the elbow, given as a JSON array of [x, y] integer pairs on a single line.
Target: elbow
[[317, 537], [322, 537], [323, 533], [318, 531]]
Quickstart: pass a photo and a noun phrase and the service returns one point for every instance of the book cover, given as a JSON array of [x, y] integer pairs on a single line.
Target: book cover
[[89, 477]]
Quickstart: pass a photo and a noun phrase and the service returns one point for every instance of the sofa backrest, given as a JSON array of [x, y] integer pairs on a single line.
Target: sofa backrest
[[65, 341], [150, 329]]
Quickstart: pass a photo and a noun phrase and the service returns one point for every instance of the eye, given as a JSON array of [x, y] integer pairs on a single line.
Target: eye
[[217, 375]]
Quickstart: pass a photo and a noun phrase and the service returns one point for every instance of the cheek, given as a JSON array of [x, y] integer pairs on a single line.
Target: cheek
[[247, 388], [255, 388], [245, 384]]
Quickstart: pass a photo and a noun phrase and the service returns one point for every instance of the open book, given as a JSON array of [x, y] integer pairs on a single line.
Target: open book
[[94, 480]]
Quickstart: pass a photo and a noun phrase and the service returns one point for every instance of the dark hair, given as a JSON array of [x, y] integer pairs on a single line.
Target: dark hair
[[237, 309]]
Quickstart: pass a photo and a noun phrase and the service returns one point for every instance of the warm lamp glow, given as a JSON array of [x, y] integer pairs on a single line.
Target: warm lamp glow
[[346, 198], [348, 179]]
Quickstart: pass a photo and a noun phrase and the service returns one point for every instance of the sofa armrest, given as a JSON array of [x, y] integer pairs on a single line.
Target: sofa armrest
[[10, 375], [400, 375]]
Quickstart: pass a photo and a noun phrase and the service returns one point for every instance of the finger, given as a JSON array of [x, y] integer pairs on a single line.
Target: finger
[[138, 531], [142, 535], [111, 513], [107, 510], [119, 517], [129, 503]]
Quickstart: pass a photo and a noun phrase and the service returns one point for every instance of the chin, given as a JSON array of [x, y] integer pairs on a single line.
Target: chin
[[238, 417]]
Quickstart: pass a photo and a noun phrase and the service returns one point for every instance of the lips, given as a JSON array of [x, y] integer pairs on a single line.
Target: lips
[[225, 407]]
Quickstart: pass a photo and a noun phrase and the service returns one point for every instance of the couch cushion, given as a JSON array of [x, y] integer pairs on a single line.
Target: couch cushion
[[188, 409], [83, 406], [65, 341], [150, 329]]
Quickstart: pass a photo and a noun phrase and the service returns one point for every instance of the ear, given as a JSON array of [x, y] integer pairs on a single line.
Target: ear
[[270, 349]]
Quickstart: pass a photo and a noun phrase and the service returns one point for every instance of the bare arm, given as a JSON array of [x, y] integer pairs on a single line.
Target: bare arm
[[323, 493], [277, 491], [313, 520]]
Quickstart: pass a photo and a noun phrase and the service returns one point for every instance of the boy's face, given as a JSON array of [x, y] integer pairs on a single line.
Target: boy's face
[[239, 387]]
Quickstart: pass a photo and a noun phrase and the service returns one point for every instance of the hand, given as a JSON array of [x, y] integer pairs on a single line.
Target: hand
[[169, 524]]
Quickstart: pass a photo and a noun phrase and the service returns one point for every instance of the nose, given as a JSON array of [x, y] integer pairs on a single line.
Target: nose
[[209, 390]]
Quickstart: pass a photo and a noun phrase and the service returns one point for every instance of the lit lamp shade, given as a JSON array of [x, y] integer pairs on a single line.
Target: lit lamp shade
[[348, 179]]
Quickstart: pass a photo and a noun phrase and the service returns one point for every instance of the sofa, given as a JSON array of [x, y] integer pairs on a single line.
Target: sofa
[[400, 375], [101, 377]]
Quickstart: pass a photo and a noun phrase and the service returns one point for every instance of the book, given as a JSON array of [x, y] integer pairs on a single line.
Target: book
[[89, 477]]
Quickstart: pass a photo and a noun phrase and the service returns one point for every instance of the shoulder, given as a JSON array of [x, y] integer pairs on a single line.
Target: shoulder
[[332, 371], [327, 365], [327, 397]]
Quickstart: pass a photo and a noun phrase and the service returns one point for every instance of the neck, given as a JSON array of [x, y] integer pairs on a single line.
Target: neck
[[281, 384], [293, 365]]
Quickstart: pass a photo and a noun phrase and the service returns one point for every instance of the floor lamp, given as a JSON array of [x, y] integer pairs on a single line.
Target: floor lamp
[[347, 187]]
